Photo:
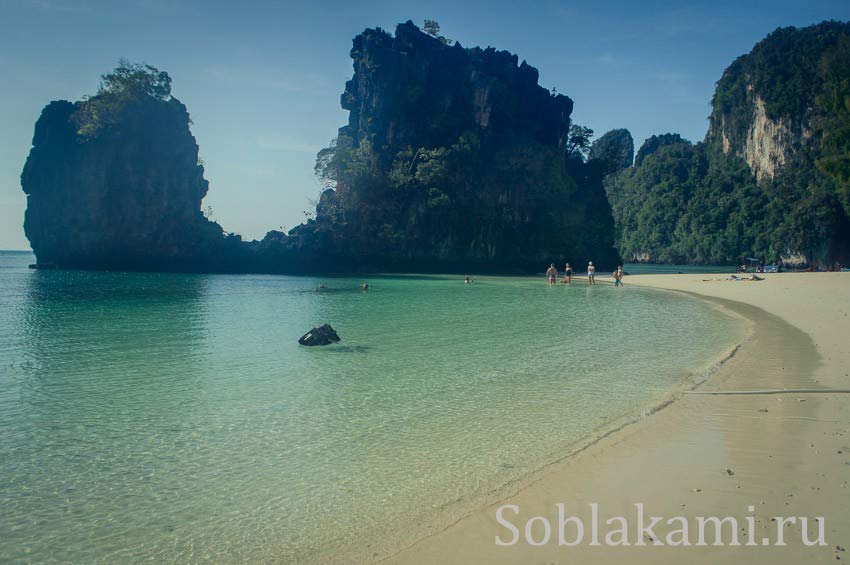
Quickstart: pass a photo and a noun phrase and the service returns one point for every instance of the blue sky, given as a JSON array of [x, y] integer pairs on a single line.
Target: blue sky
[[262, 80]]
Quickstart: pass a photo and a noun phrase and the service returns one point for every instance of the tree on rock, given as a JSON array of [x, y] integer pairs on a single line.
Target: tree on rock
[[615, 150], [128, 83], [578, 141]]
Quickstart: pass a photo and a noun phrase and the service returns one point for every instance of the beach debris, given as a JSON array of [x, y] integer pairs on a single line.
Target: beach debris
[[696, 490], [323, 335], [729, 472], [763, 410]]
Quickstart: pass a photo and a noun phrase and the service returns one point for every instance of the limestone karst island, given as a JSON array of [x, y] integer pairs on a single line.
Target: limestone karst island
[[298, 283]]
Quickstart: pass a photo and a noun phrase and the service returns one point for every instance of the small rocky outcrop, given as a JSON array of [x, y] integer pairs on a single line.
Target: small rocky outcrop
[[615, 150], [656, 142], [323, 335]]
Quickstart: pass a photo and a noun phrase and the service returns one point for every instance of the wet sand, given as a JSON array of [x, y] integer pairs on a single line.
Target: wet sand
[[708, 455]]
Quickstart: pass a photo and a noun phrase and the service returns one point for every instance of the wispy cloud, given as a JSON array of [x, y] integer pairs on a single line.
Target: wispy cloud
[[278, 142], [61, 6], [606, 59], [668, 77], [688, 21], [286, 83], [561, 11]]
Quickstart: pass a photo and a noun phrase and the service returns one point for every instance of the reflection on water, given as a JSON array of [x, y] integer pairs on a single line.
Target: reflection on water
[[175, 417], [83, 412]]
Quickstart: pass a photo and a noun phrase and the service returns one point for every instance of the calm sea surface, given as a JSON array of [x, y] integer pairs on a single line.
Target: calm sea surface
[[175, 418]]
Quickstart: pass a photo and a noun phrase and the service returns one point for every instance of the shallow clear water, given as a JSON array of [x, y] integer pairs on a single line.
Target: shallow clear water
[[174, 417]]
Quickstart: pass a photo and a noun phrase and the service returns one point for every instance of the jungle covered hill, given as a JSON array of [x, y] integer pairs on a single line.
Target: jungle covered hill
[[772, 177]]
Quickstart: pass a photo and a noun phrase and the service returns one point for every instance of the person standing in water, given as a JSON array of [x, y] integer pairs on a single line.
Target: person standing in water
[[591, 273], [552, 273], [568, 274]]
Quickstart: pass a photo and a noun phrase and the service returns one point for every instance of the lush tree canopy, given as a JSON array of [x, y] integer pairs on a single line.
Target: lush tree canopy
[[701, 203], [654, 143], [615, 149], [128, 84]]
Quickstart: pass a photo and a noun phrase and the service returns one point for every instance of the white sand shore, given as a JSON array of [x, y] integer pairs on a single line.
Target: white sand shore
[[707, 455]]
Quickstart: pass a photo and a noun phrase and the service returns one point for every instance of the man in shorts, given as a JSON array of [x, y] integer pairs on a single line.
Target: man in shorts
[[552, 273]]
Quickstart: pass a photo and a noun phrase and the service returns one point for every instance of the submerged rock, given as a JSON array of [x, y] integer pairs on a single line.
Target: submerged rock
[[324, 335]]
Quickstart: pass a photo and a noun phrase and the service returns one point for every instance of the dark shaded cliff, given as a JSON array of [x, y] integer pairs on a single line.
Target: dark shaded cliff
[[126, 194], [454, 159]]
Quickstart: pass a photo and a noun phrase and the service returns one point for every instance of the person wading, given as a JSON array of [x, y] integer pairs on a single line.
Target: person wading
[[552, 273]]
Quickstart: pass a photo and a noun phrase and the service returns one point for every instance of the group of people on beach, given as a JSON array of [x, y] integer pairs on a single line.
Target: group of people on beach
[[552, 274]]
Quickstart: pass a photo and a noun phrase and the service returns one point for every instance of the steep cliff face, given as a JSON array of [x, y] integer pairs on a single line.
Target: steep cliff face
[[767, 100], [127, 197], [767, 143], [772, 177], [453, 159], [400, 80]]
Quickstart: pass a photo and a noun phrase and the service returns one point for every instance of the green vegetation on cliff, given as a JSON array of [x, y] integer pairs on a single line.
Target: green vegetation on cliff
[[681, 206], [781, 114], [832, 123], [454, 158], [615, 150], [114, 180]]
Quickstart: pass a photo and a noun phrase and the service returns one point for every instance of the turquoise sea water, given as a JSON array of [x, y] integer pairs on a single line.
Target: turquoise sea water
[[175, 418]]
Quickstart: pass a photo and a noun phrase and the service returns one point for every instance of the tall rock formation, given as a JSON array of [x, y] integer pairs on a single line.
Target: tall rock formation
[[767, 100], [453, 159], [115, 182]]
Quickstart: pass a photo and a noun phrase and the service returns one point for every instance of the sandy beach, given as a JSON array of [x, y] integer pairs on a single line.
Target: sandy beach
[[709, 454]]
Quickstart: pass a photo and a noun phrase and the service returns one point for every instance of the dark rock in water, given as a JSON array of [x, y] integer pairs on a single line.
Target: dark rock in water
[[126, 194], [323, 335]]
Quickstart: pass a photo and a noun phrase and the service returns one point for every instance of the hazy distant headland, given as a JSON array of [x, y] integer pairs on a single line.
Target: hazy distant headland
[[455, 159]]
